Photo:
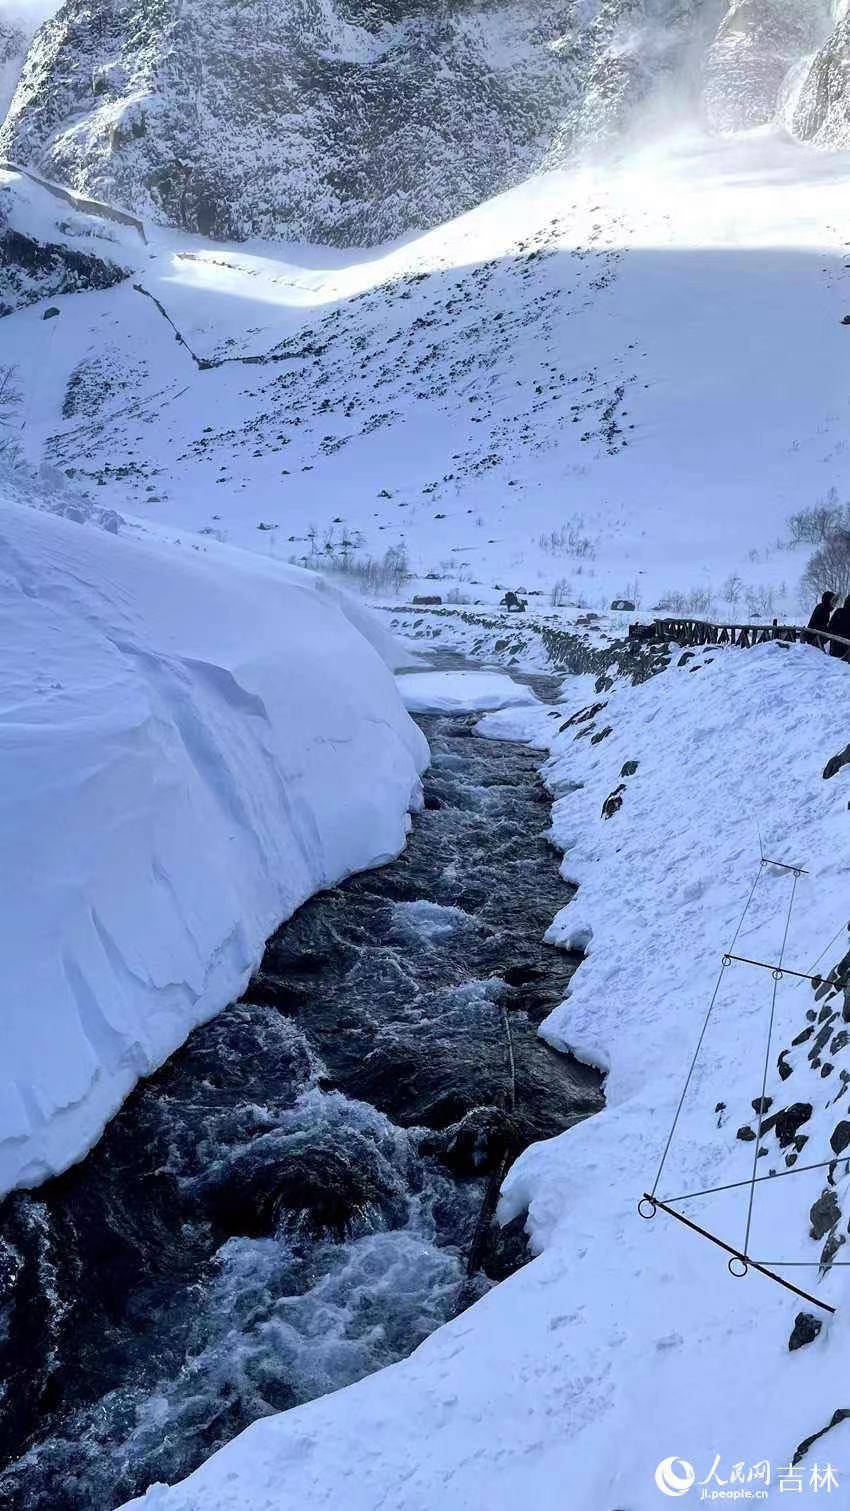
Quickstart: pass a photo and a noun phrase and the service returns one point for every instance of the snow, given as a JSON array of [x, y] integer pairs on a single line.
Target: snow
[[190, 745], [455, 394], [626, 1343], [469, 395], [460, 691]]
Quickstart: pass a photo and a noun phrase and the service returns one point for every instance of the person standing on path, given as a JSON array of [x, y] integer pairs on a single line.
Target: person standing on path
[[839, 624], [821, 615]]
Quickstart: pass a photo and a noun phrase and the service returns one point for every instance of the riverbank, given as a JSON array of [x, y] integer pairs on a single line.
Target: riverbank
[[627, 1343], [303, 1193]]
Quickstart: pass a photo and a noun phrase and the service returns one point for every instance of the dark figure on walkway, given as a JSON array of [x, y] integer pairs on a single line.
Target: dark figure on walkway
[[511, 601], [820, 621], [839, 624]]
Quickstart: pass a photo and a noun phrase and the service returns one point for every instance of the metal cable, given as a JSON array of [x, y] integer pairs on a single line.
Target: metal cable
[[776, 979], [705, 1027]]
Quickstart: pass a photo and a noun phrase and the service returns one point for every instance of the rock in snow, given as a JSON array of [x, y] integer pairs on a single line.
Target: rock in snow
[[190, 745]]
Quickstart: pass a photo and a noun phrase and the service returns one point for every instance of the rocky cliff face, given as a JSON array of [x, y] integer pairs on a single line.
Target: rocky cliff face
[[340, 120], [757, 45], [352, 121], [823, 108]]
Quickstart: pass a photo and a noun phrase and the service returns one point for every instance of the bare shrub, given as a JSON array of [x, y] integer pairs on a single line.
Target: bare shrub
[[371, 575], [568, 540], [732, 589], [829, 568], [811, 527], [696, 601], [560, 593], [761, 602], [10, 402], [454, 595]]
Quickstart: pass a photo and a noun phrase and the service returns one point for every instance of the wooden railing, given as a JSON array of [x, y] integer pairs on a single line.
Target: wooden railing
[[703, 632]]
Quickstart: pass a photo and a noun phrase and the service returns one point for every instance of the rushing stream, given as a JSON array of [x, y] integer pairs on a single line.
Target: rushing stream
[[295, 1199]]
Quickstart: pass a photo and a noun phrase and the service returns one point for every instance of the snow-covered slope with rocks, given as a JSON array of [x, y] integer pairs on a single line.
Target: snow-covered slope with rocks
[[49, 246], [356, 120], [628, 1343], [616, 381], [190, 745]]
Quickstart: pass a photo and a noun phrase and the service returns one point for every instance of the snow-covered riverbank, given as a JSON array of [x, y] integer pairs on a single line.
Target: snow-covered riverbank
[[190, 745], [627, 1343]]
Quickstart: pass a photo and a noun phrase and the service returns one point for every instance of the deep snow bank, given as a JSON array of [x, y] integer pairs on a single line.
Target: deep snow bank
[[190, 744], [625, 1343]]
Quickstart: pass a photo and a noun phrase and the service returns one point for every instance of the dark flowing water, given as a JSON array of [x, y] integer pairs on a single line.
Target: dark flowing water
[[295, 1199]]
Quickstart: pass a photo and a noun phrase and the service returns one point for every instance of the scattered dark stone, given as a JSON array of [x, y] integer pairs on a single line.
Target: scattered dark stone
[[835, 763], [629, 768], [811, 1014], [614, 802], [840, 1137], [826, 1069], [841, 1040], [837, 1416], [820, 1041], [803, 1035], [824, 1214], [806, 1329], [745, 1134], [785, 1070], [834, 1242], [601, 735], [584, 714], [762, 1104], [790, 1120], [51, 312]]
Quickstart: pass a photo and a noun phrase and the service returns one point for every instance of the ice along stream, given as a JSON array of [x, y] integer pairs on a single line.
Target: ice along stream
[[295, 1199]]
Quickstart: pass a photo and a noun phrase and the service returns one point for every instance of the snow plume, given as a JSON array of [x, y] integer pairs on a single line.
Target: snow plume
[[27, 15]]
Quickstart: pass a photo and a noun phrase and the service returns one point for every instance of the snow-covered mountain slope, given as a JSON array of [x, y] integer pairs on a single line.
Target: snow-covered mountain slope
[[352, 121], [619, 380], [628, 1343], [190, 745]]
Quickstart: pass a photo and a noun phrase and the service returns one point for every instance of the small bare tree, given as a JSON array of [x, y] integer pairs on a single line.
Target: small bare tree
[[829, 567], [10, 399]]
